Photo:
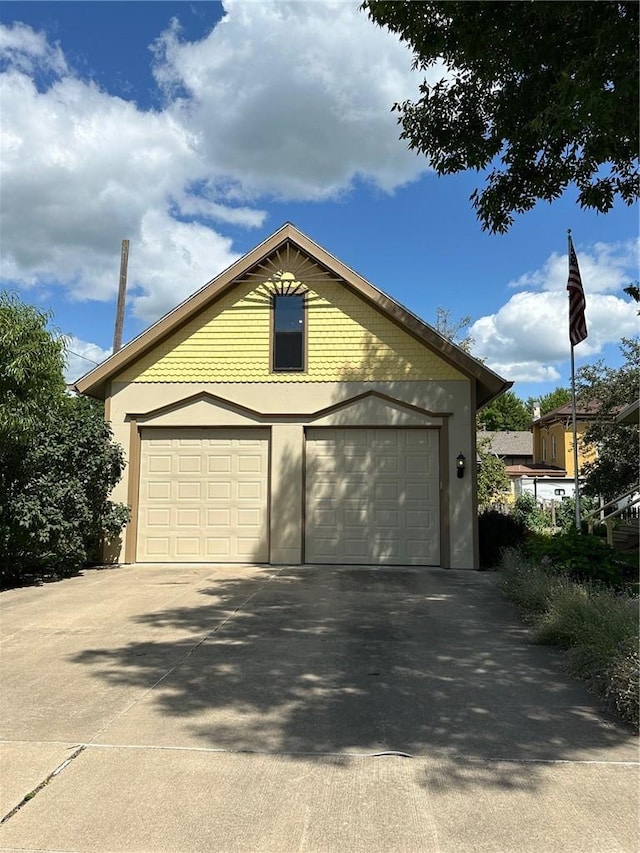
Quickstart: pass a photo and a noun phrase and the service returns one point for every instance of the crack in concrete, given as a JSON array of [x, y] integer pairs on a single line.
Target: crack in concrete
[[31, 794]]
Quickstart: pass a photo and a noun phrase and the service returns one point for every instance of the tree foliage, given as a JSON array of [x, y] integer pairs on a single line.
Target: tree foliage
[[616, 468], [530, 513], [544, 95], [493, 480], [633, 290], [31, 363], [548, 402], [506, 412], [58, 463]]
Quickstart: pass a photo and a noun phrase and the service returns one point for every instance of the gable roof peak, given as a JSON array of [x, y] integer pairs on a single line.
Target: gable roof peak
[[488, 383]]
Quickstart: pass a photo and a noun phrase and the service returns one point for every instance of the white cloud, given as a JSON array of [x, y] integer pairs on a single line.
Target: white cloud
[[80, 170], [604, 267], [528, 337], [293, 99], [171, 261], [282, 98], [82, 356], [28, 51]]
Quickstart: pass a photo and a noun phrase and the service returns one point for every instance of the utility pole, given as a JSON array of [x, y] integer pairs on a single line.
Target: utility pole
[[122, 294]]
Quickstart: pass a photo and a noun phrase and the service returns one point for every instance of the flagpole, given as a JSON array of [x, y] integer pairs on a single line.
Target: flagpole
[[576, 483], [575, 442]]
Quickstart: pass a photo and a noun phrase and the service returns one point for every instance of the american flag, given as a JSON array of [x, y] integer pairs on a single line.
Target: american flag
[[577, 303]]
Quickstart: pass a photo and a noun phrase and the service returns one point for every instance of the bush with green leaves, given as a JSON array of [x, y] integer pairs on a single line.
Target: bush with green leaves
[[492, 482], [497, 531], [528, 511], [597, 627], [566, 512], [581, 556], [58, 463]]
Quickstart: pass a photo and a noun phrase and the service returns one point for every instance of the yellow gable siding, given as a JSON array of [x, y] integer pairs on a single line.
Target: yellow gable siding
[[347, 340]]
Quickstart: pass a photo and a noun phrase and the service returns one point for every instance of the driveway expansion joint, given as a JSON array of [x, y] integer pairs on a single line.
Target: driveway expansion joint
[[194, 648], [31, 794]]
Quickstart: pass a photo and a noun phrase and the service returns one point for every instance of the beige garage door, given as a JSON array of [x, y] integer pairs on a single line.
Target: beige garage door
[[372, 496], [203, 496]]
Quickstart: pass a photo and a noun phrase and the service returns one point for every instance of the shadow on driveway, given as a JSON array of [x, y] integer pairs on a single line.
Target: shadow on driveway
[[325, 660]]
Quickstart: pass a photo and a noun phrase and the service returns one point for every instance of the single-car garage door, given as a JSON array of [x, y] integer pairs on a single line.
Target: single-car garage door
[[372, 496], [203, 496]]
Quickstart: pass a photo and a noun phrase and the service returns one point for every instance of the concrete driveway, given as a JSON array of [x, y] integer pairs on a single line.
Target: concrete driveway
[[322, 709]]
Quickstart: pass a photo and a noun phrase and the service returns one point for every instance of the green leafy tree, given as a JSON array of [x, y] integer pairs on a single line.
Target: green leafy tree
[[31, 368], [492, 480], [58, 463], [616, 468], [548, 402], [506, 412], [543, 95]]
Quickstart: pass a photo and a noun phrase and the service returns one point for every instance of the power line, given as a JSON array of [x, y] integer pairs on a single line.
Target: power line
[[71, 352]]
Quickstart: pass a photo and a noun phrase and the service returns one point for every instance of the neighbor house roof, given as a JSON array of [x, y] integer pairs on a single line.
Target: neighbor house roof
[[509, 442], [488, 384], [535, 469], [630, 414], [564, 413]]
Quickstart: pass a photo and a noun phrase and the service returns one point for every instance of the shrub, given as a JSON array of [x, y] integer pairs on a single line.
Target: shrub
[[527, 584], [566, 513], [598, 627], [527, 511], [58, 463], [582, 556], [623, 680], [497, 531], [60, 508]]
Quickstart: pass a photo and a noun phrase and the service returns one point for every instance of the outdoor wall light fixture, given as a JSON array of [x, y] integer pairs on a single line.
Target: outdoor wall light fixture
[[460, 464]]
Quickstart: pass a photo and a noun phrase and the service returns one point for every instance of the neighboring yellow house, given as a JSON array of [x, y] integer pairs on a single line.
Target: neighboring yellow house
[[290, 412], [553, 439]]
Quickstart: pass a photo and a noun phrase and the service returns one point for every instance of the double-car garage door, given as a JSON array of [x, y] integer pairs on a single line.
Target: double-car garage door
[[371, 496]]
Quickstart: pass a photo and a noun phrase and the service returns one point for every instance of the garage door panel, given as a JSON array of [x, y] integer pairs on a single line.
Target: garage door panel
[[217, 547], [218, 464], [203, 496], [186, 491], [372, 496], [250, 464], [251, 490], [160, 463], [158, 547], [188, 517], [247, 547], [159, 518]]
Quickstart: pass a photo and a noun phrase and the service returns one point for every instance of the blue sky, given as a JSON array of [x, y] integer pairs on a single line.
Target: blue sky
[[195, 129]]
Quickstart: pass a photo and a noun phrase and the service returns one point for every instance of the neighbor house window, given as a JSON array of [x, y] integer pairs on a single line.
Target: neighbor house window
[[544, 449], [288, 332], [553, 447]]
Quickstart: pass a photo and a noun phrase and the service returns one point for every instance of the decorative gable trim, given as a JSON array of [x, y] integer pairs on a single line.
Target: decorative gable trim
[[350, 401], [143, 418], [202, 396], [278, 246]]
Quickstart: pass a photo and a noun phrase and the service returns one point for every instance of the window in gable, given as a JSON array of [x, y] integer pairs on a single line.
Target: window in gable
[[288, 332]]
